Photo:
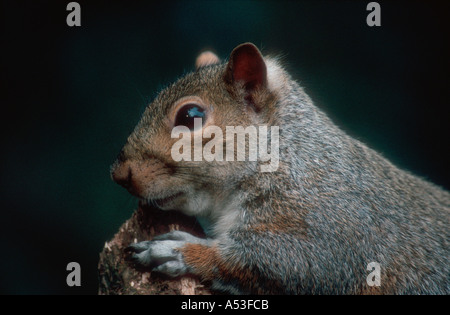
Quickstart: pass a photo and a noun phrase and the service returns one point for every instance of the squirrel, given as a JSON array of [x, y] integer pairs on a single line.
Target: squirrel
[[312, 226]]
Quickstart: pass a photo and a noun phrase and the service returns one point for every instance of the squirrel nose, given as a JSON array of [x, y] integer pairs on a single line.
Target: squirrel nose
[[122, 174]]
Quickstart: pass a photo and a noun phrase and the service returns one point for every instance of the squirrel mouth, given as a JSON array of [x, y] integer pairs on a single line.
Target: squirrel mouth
[[160, 203]]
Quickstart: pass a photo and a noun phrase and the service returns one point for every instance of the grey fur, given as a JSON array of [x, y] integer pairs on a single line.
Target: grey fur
[[333, 206]]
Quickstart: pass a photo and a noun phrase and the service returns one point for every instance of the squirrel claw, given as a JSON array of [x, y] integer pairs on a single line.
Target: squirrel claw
[[160, 255]]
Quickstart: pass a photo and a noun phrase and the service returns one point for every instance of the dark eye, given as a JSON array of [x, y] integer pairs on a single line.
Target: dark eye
[[187, 114]]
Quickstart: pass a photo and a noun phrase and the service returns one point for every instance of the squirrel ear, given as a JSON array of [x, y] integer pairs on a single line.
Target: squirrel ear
[[205, 59], [247, 66]]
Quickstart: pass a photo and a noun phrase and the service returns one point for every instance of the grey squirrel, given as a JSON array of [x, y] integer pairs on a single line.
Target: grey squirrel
[[312, 226]]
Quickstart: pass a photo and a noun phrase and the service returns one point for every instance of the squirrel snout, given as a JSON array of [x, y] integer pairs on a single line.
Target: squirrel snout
[[136, 176], [121, 173]]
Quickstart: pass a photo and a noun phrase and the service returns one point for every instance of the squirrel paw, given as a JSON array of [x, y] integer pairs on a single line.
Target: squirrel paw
[[161, 253]]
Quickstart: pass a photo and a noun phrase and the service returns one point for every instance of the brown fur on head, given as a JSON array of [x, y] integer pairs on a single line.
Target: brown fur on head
[[237, 93]]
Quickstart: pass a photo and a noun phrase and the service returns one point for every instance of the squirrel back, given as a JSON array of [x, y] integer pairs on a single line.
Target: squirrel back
[[331, 206]]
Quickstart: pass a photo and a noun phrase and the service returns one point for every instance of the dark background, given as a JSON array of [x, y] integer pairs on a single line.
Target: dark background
[[70, 97]]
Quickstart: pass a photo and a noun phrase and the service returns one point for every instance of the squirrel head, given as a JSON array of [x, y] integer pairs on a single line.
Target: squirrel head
[[239, 92]]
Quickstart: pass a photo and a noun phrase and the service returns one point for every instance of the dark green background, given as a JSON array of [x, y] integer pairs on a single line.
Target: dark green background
[[70, 97]]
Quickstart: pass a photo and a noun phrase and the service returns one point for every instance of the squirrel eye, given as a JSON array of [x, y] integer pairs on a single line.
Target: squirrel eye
[[186, 115]]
